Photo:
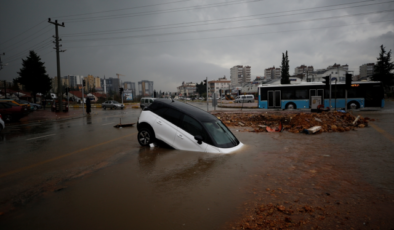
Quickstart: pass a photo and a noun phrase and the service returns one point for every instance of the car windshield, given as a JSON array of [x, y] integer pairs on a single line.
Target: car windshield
[[220, 134]]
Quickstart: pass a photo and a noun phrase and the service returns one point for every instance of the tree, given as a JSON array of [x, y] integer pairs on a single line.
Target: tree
[[285, 69], [33, 76], [201, 88], [382, 69]]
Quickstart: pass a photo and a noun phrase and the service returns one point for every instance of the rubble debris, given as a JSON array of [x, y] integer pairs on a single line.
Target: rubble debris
[[358, 117], [276, 129], [312, 130], [295, 122]]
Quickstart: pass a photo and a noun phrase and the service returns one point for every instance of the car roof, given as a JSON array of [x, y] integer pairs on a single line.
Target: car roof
[[187, 109]]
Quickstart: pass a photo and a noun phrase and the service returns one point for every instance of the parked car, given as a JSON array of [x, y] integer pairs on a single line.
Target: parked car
[[112, 105], [2, 125], [146, 101], [184, 127], [11, 112], [56, 106], [33, 106], [244, 99], [15, 102]]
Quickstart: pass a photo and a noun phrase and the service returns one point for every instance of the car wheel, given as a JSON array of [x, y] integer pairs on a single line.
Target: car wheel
[[353, 105], [145, 137], [290, 106], [35, 107], [121, 107], [104, 108], [249, 101]]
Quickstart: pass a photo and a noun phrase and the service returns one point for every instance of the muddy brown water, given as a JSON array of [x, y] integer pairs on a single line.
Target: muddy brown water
[[348, 175]]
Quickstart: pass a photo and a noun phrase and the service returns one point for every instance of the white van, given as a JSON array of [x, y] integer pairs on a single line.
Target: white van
[[244, 99]]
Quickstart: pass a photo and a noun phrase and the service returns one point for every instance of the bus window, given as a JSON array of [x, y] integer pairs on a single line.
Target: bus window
[[288, 94], [263, 94], [301, 94]]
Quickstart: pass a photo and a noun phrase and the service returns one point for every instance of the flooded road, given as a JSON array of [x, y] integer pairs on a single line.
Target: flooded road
[[91, 175]]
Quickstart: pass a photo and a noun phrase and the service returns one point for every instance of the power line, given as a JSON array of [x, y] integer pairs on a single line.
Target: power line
[[29, 37], [205, 22], [230, 28], [194, 39], [23, 32], [32, 48], [130, 8], [159, 11]]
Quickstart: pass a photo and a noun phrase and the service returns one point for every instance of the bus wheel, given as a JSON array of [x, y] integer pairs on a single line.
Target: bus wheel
[[353, 105], [291, 106]]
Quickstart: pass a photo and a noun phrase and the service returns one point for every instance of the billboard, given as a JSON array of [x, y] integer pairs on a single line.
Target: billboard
[[128, 95]]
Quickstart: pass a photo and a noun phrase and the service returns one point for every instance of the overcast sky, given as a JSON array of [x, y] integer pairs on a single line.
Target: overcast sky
[[170, 41]]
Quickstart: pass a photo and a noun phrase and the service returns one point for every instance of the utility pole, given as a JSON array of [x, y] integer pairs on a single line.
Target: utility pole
[[59, 82], [207, 94], [1, 63]]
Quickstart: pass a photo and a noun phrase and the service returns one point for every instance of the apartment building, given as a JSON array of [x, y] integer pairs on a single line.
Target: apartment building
[[145, 88], [187, 89], [216, 85], [240, 75], [272, 73], [303, 69], [366, 71]]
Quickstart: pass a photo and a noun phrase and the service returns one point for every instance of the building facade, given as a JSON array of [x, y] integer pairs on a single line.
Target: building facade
[[303, 69], [187, 89], [216, 85], [366, 71], [130, 86], [111, 85], [240, 75], [145, 88], [272, 73]]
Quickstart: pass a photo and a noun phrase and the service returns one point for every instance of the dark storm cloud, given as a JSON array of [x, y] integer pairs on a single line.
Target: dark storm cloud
[[171, 55]]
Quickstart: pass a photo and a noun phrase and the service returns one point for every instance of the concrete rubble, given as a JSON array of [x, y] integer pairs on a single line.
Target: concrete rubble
[[295, 122]]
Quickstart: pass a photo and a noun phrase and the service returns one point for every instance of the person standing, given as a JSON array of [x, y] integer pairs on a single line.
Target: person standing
[[88, 106]]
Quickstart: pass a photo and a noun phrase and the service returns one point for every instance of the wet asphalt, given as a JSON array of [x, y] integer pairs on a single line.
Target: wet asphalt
[[84, 173]]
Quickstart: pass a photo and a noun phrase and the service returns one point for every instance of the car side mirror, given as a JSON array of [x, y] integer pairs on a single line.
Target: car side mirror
[[198, 138]]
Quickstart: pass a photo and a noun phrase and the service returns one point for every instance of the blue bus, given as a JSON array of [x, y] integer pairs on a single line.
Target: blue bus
[[298, 96]]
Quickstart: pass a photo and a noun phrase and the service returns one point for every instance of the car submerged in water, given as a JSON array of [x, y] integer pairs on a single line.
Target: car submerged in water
[[184, 127]]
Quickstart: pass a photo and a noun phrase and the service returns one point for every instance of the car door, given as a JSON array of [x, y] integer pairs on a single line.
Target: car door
[[163, 125], [187, 130]]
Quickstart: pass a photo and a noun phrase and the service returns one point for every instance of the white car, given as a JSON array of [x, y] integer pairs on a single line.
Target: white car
[[2, 124], [184, 127]]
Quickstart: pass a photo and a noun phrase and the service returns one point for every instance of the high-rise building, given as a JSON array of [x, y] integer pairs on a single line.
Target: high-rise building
[[366, 70], [145, 88], [128, 85], [111, 85], [246, 73], [303, 69], [240, 75], [272, 73]]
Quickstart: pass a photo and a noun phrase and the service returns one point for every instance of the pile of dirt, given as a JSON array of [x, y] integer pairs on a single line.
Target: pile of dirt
[[295, 122]]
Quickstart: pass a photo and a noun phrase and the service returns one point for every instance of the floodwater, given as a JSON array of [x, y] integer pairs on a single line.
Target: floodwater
[[347, 178]]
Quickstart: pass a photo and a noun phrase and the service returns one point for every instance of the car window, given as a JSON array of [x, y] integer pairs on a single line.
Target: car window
[[191, 126], [160, 111], [150, 101], [172, 116], [221, 135]]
